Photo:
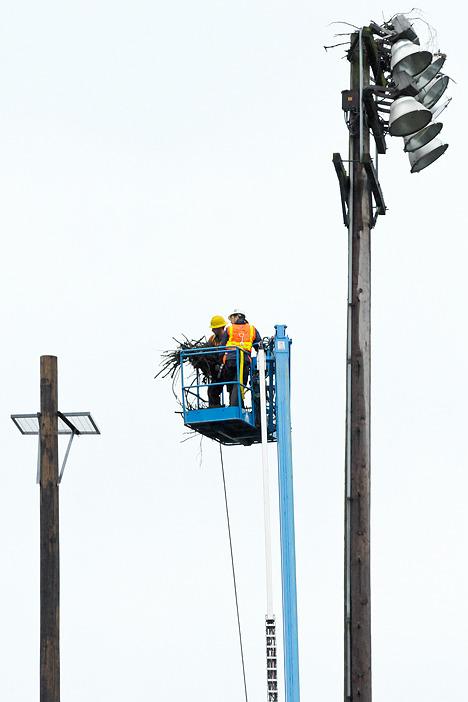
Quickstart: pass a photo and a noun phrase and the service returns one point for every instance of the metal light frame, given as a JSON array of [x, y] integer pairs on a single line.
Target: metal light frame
[[70, 430]]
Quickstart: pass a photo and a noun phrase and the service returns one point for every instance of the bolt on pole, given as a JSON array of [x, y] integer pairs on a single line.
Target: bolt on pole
[[49, 518], [357, 645]]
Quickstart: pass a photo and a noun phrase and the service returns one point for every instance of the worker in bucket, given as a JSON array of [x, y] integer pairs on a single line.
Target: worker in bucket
[[218, 325], [242, 335]]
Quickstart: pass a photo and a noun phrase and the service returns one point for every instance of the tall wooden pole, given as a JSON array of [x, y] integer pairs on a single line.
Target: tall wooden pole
[[50, 571], [358, 681]]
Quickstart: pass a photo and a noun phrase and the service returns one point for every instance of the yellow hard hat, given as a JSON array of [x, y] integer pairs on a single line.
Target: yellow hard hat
[[217, 322]]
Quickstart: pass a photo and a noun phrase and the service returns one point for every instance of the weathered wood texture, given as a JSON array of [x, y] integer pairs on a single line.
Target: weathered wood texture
[[358, 679], [50, 567]]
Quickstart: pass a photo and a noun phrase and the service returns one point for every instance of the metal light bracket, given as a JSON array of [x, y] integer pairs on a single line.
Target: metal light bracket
[[376, 123], [69, 423], [343, 180], [72, 435], [374, 185]]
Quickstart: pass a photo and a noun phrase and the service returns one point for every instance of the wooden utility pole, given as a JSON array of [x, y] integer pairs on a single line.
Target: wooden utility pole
[[50, 570], [358, 681]]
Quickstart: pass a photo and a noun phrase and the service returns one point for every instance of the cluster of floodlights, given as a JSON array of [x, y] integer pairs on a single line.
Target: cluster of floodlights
[[419, 86]]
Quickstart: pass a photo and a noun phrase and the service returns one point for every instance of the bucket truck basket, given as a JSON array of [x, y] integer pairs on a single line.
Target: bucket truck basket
[[215, 400]]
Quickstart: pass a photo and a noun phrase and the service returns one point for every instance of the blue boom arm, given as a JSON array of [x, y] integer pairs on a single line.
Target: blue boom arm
[[286, 505], [239, 425]]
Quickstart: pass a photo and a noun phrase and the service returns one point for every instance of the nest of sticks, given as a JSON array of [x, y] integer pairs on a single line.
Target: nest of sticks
[[204, 364]]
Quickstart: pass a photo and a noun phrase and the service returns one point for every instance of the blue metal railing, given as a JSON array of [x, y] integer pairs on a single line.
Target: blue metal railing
[[195, 388]]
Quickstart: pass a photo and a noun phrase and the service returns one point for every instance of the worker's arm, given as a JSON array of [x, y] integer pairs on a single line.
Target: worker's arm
[[257, 341], [224, 339]]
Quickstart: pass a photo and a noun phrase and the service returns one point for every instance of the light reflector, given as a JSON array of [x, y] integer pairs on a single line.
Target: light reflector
[[408, 57], [431, 72], [423, 137], [426, 155], [434, 90], [407, 116]]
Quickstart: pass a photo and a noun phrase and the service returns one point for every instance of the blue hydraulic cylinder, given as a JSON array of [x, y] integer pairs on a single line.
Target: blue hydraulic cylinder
[[286, 507]]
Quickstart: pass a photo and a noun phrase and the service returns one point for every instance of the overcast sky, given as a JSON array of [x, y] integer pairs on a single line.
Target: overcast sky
[[161, 163]]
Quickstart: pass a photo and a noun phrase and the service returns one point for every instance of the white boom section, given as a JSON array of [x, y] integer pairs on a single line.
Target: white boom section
[[270, 625], [261, 365]]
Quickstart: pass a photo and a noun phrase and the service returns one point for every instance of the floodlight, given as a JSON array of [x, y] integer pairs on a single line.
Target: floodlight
[[407, 116], [434, 90], [422, 79], [423, 157], [423, 137], [408, 57], [438, 109]]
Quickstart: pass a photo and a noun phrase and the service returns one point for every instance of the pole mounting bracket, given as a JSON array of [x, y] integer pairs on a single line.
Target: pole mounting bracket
[[65, 458], [374, 185], [343, 180]]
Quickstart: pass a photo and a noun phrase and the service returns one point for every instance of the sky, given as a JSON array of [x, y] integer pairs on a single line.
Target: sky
[[162, 163]]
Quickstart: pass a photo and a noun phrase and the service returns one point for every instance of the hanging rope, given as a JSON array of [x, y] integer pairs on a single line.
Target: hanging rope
[[233, 572]]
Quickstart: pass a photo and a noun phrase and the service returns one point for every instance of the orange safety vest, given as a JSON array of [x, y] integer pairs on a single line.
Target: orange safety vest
[[241, 335]]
